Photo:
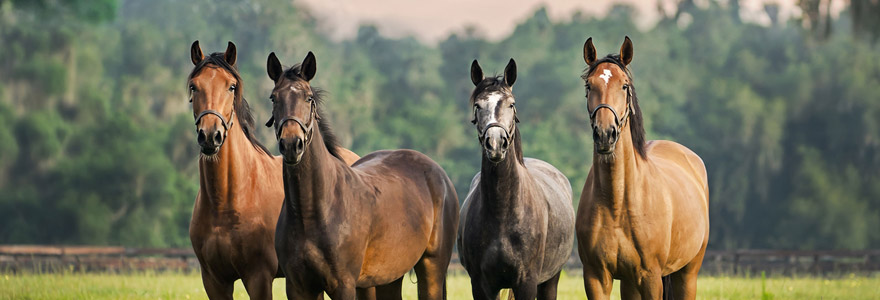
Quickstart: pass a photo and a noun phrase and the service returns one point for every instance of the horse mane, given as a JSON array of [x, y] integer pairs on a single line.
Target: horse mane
[[239, 104], [327, 134], [636, 121], [496, 83]]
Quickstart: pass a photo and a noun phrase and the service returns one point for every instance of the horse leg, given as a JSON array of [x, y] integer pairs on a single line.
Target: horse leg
[[598, 284], [297, 291], [431, 274], [547, 290], [526, 290], [216, 288], [481, 290], [259, 285], [684, 281], [390, 291], [651, 286], [366, 293], [345, 291], [629, 290]]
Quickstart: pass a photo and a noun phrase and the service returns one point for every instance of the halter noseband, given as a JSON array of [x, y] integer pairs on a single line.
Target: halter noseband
[[226, 125], [482, 134], [307, 129], [618, 122]]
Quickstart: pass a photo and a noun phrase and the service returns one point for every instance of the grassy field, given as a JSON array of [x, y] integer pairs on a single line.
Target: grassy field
[[188, 286]]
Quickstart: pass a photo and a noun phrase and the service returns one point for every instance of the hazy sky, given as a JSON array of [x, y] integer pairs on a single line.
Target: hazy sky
[[431, 21]]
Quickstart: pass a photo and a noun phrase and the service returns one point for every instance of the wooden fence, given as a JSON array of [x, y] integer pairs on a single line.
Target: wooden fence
[[38, 258]]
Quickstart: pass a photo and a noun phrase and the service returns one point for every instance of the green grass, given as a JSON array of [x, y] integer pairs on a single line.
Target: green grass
[[188, 286]]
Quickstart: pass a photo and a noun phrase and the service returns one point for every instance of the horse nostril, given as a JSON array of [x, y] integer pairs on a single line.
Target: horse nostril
[[488, 144], [595, 134], [201, 137], [281, 145], [218, 138], [613, 134], [299, 145], [504, 143]]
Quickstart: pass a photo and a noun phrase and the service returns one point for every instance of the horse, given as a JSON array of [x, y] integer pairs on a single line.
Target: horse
[[240, 187], [343, 229], [517, 222], [643, 216]]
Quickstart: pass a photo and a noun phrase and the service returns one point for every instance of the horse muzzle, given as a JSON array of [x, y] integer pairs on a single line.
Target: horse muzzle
[[210, 140], [605, 139], [496, 143], [291, 149]]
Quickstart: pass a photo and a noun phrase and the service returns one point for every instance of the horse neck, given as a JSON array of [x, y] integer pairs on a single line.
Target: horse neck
[[614, 175], [500, 184], [309, 184], [220, 174]]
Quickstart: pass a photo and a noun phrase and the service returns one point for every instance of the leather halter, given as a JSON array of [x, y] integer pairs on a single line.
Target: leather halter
[[313, 115], [482, 134], [226, 125], [618, 122]]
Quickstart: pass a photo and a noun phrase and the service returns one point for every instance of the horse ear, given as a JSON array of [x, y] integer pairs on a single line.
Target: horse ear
[[273, 67], [589, 52], [195, 53], [308, 67], [476, 72], [230, 54], [510, 73], [626, 51]]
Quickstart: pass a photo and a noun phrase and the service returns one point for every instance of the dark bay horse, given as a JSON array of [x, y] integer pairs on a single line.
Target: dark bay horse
[[644, 211], [240, 187], [343, 229], [517, 223]]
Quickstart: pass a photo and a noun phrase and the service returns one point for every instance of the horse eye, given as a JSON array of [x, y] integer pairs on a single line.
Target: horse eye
[[272, 98], [232, 88], [310, 99], [192, 88], [625, 87], [511, 105], [588, 87]]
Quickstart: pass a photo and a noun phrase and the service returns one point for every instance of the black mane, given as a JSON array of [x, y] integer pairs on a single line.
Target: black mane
[[330, 140], [240, 105], [636, 122]]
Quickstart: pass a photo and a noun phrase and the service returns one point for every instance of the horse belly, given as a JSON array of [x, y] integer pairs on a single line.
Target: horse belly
[[383, 265], [392, 253]]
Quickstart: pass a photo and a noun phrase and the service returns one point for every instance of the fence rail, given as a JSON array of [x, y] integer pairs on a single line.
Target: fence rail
[[17, 258]]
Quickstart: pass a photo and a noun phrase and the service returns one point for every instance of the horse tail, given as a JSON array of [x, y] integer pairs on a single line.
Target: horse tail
[[667, 287]]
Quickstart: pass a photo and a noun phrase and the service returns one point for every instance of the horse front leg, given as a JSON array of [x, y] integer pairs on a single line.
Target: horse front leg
[[597, 283]]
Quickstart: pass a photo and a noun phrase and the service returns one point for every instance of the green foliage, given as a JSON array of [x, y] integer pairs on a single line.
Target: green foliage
[[97, 143]]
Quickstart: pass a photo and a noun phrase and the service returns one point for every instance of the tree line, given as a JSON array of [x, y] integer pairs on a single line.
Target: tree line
[[97, 144]]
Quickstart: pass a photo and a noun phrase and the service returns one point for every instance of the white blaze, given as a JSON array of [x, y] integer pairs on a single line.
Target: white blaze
[[606, 75], [491, 102]]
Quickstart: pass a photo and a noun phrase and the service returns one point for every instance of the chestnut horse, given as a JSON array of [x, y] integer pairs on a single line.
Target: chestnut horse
[[517, 223], [240, 187], [644, 210], [343, 229]]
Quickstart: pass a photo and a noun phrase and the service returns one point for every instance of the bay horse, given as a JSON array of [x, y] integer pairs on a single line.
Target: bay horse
[[643, 217], [343, 229], [240, 188], [517, 222]]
